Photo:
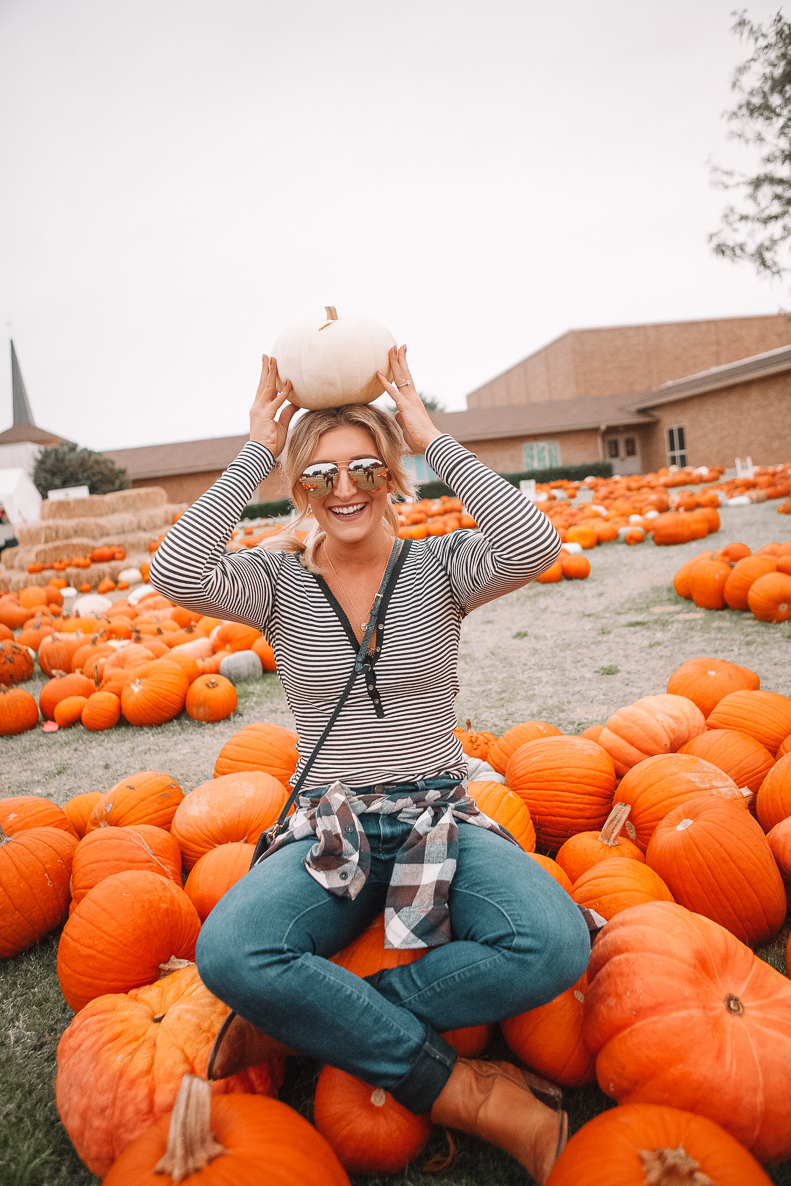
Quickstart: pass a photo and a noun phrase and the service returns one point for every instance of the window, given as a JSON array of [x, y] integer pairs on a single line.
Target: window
[[420, 470], [541, 454], [612, 448], [631, 447], [676, 446]]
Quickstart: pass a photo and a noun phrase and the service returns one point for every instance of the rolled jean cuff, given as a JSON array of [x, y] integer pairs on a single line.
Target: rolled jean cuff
[[427, 1076]]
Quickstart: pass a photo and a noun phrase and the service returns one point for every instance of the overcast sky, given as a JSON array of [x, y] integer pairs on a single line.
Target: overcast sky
[[182, 178]]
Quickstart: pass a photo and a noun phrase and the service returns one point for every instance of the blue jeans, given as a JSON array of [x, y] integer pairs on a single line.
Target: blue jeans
[[264, 950]]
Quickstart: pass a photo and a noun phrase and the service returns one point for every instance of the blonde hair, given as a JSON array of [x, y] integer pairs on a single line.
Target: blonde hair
[[301, 445]]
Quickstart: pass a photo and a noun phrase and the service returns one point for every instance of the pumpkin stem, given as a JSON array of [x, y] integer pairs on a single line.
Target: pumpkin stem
[[174, 964], [734, 1005], [671, 1167], [439, 1164], [331, 312], [469, 725], [613, 824], [378, 1097], [191, 1145]]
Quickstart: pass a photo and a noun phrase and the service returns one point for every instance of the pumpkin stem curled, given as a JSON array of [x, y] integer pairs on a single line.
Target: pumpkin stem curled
[[439, 1164], [613, 824], [671, 1167], [191, 1145]]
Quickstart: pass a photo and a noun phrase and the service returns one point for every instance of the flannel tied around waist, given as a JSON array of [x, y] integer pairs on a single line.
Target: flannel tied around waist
[[416, 908]]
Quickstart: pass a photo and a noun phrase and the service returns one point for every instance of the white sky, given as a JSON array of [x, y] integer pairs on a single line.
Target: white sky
[[181, 178]]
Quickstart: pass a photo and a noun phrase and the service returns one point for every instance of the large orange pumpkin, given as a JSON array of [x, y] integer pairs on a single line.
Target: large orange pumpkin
[[106, 851], [130, 1051], [553, 869], [59, 688], [260, 746], [367, 954], [35, 867], [503, 747], [79, 808], [743, 574], [549, 1038], [586, 849], [680, 1011], [20, 812], [706, 681], [652, 725], [149, 797], [657, 785], [616, 884], [774, 796], [717, 862], [507, 809], [741, 757], [640, 1143], [215, 872], [567, 784], [156, 696], [707, 583], [102, 711], [227, 1142], [57, 651], [766, 716], [123, 933], [210, 697], [16, 662], [368, 1130], [769, 598], [683, 578], [235, 637], [779, 840], [230, 808], [265, 654]]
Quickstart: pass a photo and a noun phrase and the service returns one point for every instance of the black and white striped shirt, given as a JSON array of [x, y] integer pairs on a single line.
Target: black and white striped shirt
[[442, 580]]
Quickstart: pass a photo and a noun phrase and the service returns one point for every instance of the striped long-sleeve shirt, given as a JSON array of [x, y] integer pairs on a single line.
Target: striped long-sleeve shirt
[[442, 580]]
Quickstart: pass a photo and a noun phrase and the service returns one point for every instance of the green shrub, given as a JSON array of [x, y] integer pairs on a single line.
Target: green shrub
[[267, 510], [68, 465], [557, 473]]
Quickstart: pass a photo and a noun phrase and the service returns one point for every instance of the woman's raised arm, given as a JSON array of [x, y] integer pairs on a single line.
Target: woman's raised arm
[[191, 565]]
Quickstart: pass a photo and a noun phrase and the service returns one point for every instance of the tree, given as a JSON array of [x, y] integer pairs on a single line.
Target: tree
[[758, 227], [68, 465]]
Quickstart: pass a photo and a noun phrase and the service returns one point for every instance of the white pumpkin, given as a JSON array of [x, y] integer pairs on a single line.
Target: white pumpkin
[[334, 361], [133, 576], [241, 666], [91, 603]]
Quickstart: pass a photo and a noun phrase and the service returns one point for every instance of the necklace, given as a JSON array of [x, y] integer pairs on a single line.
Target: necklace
[[342, 583]]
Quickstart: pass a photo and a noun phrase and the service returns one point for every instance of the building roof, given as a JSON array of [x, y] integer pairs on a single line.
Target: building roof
[[183, 457], [555, 415], [758, 366]]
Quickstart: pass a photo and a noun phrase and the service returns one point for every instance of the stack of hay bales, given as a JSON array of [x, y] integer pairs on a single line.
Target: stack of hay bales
[[127, 519]]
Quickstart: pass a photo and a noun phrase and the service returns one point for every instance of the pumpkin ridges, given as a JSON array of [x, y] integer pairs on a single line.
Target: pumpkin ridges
[[230, 808], [567, 784], [766, 716], [504, 747], [617, 884], [656, 785], [740, 756], [705, 681], [507, 809], [148, 797], [106, 851], [259, 746], [773, 803], [549, 1038], [35, 866]]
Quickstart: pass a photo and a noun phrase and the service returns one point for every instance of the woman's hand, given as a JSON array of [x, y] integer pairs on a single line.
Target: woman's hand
[[412, 417], [264, 428]]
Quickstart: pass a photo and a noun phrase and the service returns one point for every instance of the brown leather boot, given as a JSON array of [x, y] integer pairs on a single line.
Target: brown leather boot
[[240, 1045], [491, 1100]]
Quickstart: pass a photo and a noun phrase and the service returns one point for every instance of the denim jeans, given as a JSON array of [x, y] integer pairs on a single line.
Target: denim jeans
[[264, 950]]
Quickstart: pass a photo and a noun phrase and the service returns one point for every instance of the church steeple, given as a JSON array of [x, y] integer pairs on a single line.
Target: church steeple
[[23, 413]]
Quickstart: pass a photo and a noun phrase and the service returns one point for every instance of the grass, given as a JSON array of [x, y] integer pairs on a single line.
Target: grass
[[570, 634]]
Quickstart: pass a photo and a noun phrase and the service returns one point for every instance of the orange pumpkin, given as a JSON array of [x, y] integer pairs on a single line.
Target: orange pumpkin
[[617, 884], [567, 784], [743, 573], [706, 681], [233, 807], [122, 935], [102, 711], [502, 749], [716, 861], [769, 597], [368, 1130], [78, 809], [34, 633], [475, 745], [35, 867], [668, 992], [779, 840], [236, 636], [149, 797], [549, 1038], [265, 654], [505, 808], [215, 872], [57, 651], [260, 746], [20, 812], [733, 552], [107, 851], [551, 575], [639, 1143], [575, 568], [58, 688], [774, 795], [741, 757], [652, 725], [553, 869], [131, 1050], [766, 716], [657, 785], [586, 849], [16, 662], [211, 698], [155, 697], [134, 654]]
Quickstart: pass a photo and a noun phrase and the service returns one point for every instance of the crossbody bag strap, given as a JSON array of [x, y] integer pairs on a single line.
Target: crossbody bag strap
[[394, 566]]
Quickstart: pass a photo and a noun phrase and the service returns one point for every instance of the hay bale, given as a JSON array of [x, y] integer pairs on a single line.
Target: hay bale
[[98, 506], [9, 557]]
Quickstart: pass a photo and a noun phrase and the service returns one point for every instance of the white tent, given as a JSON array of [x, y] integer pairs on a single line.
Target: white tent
[[19, 499]]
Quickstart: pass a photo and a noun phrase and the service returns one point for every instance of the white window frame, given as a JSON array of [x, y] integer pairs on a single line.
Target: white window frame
[[676, 445], [541, 454]]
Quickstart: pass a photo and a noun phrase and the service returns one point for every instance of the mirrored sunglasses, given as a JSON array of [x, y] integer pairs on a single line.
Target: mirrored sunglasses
[[367, 473]]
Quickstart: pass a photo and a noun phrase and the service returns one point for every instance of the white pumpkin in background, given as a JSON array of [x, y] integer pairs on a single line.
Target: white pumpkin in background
[[334, 361]]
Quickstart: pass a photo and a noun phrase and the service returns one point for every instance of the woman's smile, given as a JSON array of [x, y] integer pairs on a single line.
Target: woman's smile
[[352, 511]]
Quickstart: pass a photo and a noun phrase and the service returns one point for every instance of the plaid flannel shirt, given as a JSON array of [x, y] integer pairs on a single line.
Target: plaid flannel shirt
[[416, 908]]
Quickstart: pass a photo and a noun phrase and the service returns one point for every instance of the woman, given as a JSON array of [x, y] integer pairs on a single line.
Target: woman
[[383, 819]]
